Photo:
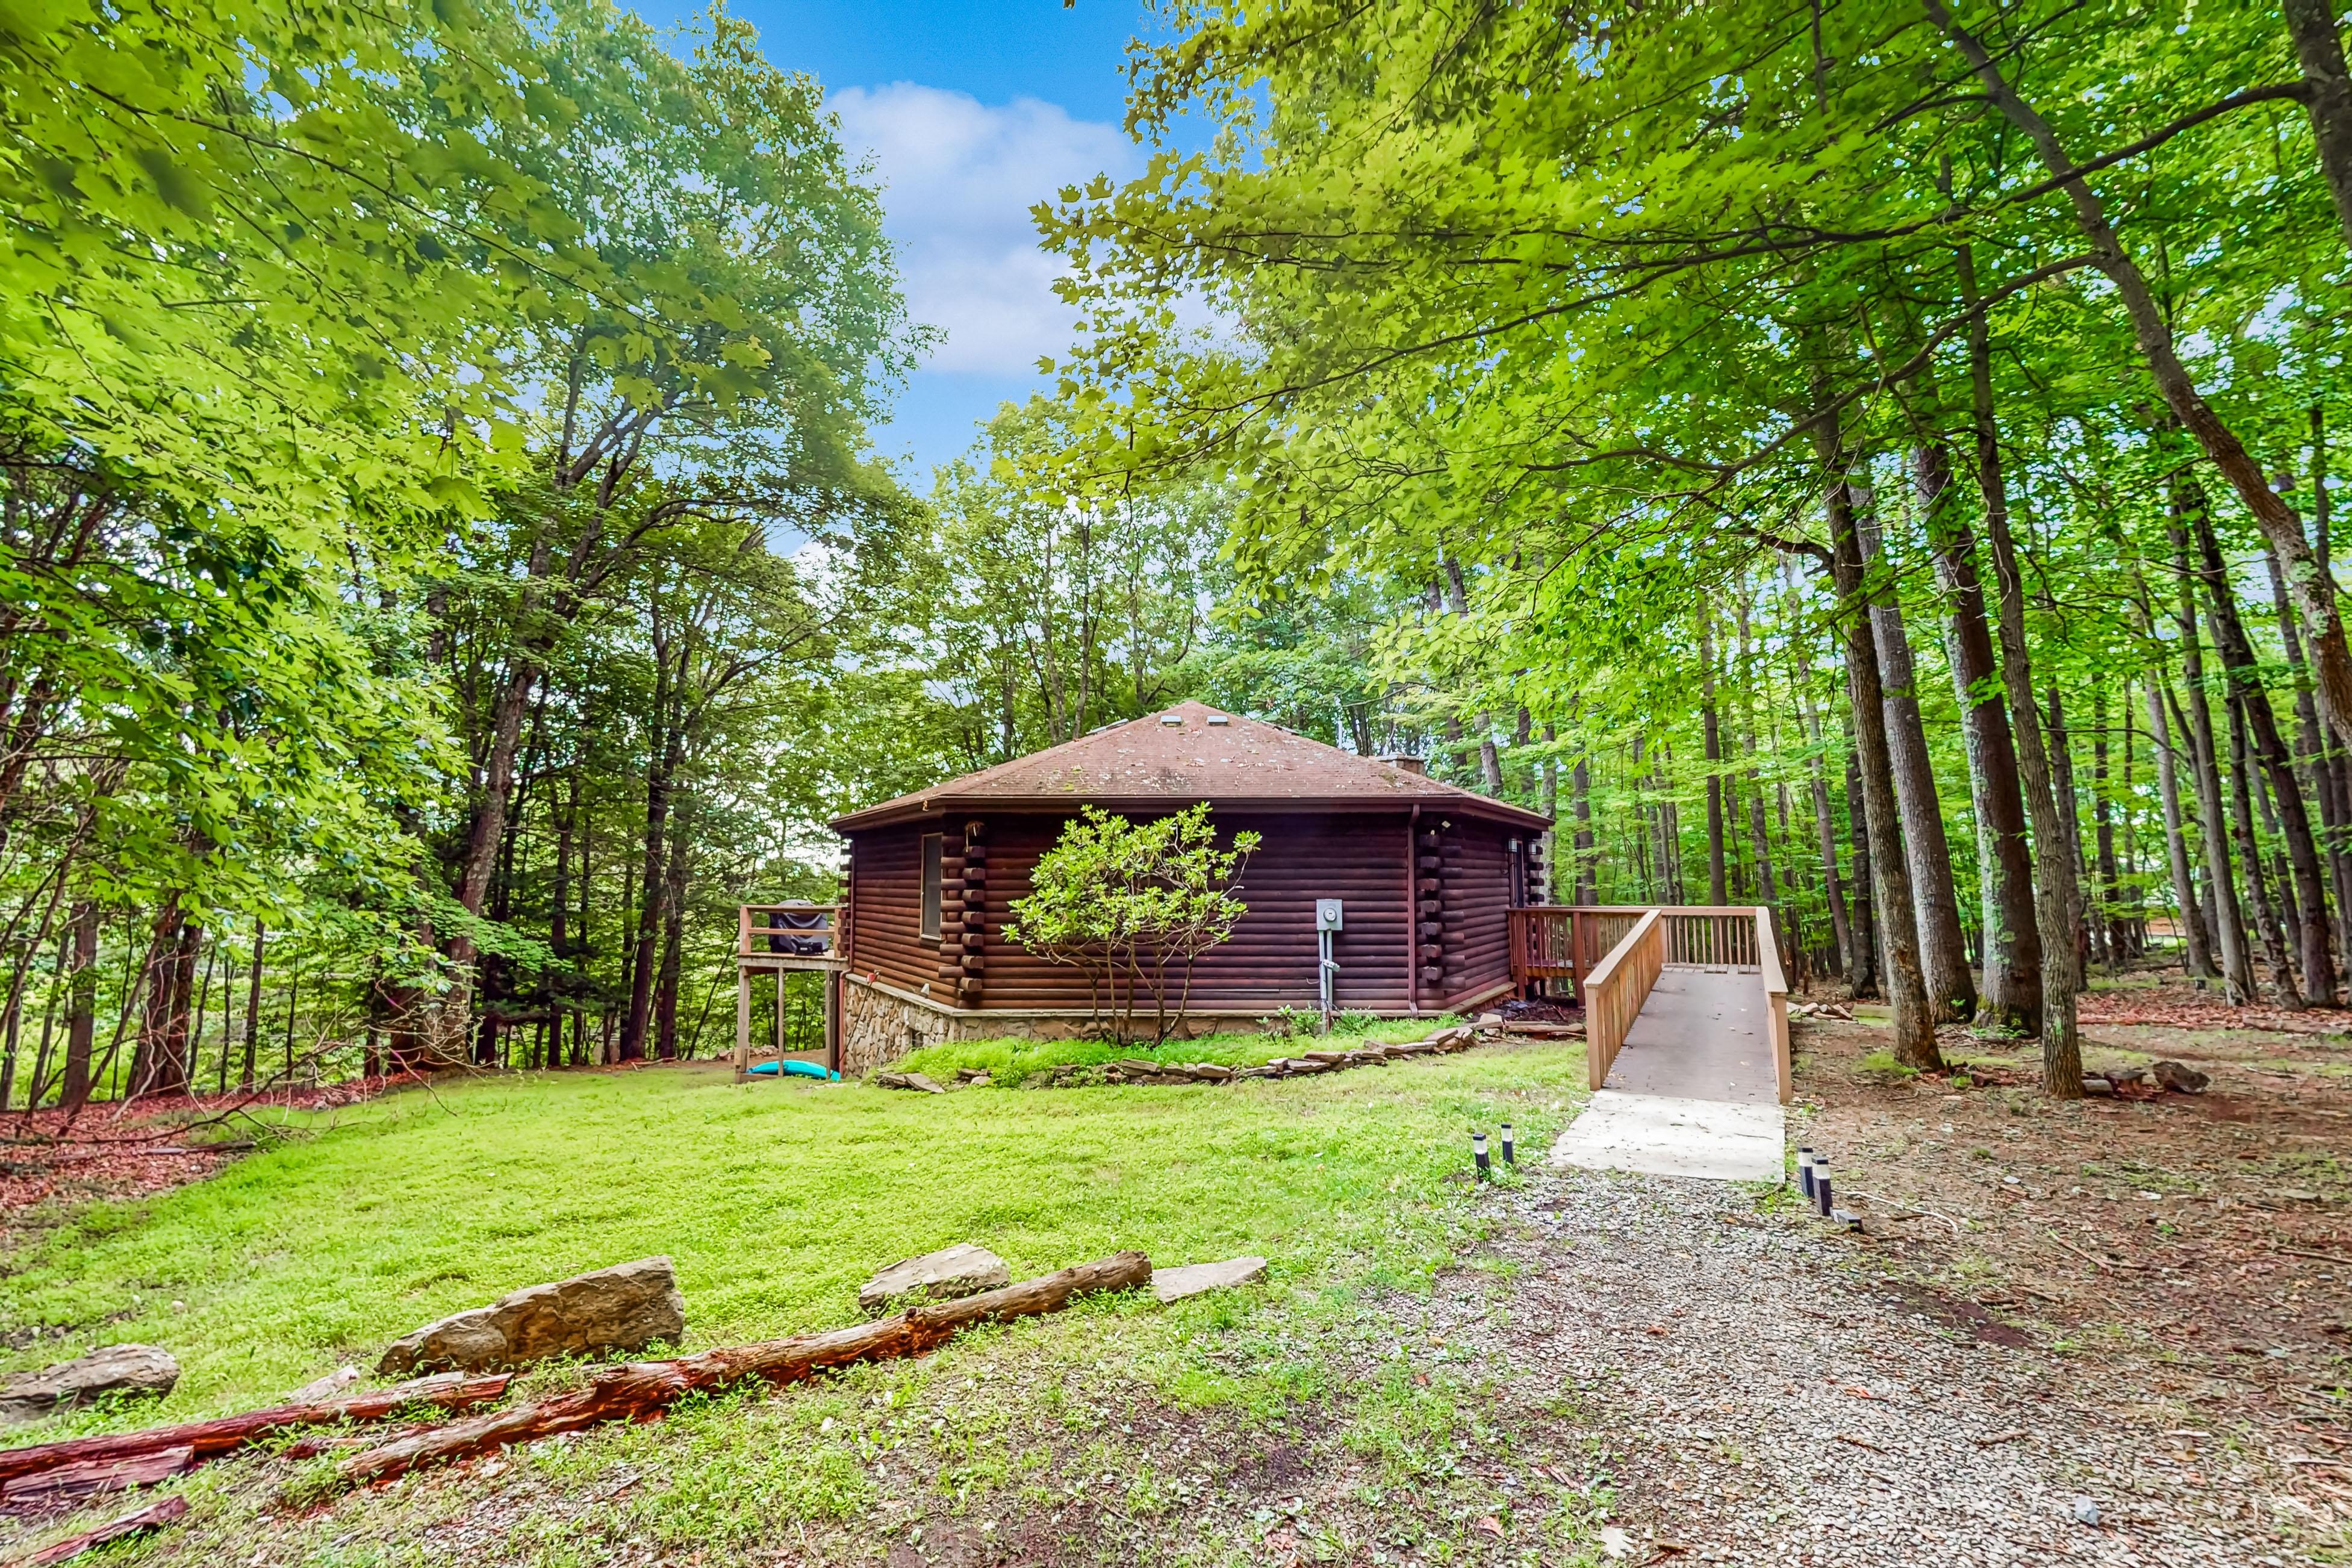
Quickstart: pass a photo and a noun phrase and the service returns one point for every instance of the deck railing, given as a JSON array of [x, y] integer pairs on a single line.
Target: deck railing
[[1563, 941], [1712, 936], [1616, 989], [1776, 1001], [802, 931]]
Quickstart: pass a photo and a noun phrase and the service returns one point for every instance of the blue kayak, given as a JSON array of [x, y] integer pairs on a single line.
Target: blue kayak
[[795, 1070]]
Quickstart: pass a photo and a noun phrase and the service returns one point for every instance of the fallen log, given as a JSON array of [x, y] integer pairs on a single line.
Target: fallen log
[[63, 1488], [208, 1439], [154, 1516], [641, 1391]]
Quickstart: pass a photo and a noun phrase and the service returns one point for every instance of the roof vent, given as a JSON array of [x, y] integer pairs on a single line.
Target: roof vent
[[1171, 719], [1220, 719], [1406, 762]]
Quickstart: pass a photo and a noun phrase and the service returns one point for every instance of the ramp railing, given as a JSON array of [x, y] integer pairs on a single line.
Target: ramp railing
[[1616, 989]]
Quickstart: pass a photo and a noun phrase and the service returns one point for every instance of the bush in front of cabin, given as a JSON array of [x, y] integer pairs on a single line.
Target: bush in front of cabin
[[1132, 906]]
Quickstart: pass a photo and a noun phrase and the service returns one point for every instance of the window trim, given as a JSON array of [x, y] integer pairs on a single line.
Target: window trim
[[927, 914]]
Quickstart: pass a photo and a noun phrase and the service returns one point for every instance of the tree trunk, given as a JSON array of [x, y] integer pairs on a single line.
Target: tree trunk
[[253, 1010], [1861, 958], [489, 830], [1824, 819], [2197, 944], [2229, 923], [2010, 998], [2314, 590], [2057, 895], [2250, 856], [2069, 811], [2319, 49], [2317, 774], [81, 1008], [2270, 753], [1716, 892], [2103, 828], [1587, 870], [673, 900], [1915, 1023], [1943, 951], [661, 762], [162, 1063]]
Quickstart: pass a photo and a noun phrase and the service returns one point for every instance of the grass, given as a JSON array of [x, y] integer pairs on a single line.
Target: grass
[[775, 1200], [1011, 1061]]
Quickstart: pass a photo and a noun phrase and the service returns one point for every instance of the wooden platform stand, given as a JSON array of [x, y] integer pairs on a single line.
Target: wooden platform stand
[[760, 927]]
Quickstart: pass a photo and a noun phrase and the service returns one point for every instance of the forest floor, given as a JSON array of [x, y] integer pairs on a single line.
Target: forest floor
[[1565, 1368]]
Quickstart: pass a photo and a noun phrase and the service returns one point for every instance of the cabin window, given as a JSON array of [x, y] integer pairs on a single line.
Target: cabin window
[[931, 884]]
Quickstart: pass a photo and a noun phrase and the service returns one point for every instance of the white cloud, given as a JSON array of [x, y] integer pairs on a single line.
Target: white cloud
[[958, 178]]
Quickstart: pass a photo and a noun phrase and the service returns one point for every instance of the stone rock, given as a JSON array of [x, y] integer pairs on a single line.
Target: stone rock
[[1307, 1064], [2085, 1511], [908, 1080], [2092, 1085], [328, 1387], [2122, 1076], [962, 1270], [619, 1310], [1490, 1020], [1136, 1065], [973, 1075], [1198, 1278], [2178, 1077], [136, 1369], [1212, 1072]]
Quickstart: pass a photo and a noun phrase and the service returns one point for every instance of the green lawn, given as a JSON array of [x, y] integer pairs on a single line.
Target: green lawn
[[776, 1199]]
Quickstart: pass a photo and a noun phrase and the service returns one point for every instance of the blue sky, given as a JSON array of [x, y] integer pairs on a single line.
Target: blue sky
[[973, 114]]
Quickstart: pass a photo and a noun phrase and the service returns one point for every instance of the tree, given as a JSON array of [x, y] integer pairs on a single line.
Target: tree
[[1127, 902]]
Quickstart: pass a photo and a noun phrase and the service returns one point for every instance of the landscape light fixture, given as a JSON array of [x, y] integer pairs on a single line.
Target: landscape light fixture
[[1510, 1155], [1822, 1184], [1478, 1153], [1805, 1172]]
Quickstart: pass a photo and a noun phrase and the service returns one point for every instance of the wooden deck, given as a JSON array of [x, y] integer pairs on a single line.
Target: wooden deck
[[781, 940]]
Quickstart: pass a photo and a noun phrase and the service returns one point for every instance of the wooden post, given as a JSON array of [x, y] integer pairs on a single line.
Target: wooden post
[[742, 1022], [779, 1020], [832, 981]]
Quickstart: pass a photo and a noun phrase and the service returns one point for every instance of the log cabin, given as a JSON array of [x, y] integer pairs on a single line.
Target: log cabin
[[1423, 873]]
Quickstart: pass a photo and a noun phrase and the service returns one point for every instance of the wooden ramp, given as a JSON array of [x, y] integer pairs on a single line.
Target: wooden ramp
[[1688, 1060]]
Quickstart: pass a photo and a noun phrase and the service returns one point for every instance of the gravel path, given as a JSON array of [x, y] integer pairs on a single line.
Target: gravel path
[[1763, 1395]]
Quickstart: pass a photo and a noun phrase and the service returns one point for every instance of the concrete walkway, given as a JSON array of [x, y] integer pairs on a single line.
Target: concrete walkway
[[1692, 1092]]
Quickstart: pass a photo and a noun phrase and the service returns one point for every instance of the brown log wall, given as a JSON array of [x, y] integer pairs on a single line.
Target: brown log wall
[[1270, 962], [885, 908]]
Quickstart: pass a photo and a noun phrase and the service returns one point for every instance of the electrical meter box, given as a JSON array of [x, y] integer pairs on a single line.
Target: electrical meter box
[[1326, 915]]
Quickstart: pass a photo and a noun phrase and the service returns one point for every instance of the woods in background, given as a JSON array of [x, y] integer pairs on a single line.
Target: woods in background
[[1874, 461], [1854, 437]]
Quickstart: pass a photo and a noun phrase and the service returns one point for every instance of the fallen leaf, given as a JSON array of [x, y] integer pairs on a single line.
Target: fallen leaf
[[1492, 1526]]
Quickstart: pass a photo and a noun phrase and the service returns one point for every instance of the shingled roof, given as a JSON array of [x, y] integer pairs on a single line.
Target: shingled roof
[[1191, 752]]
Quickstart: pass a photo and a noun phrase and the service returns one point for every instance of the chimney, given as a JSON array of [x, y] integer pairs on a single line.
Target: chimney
[[1406, 762]]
